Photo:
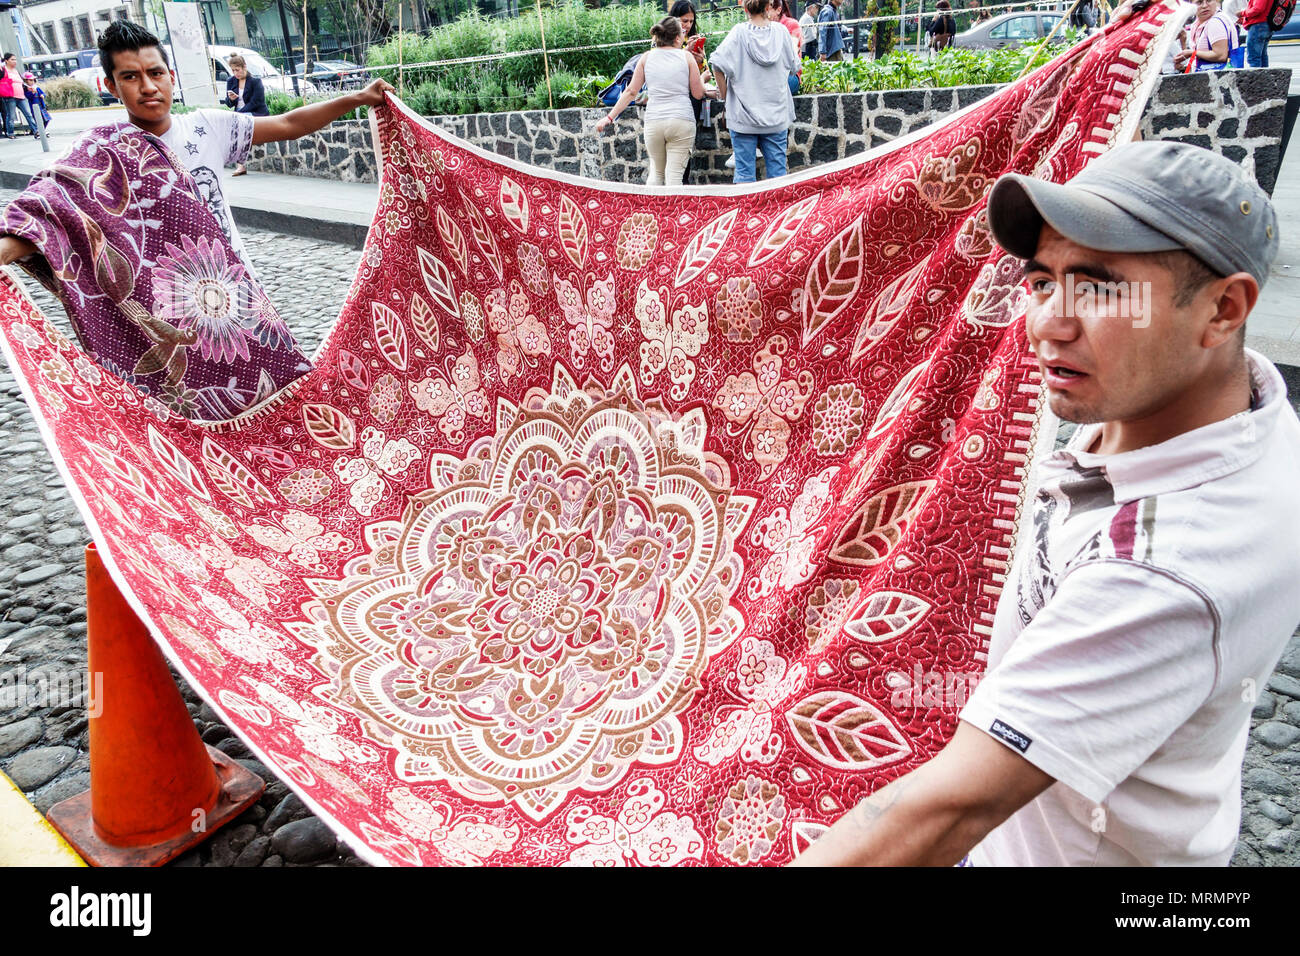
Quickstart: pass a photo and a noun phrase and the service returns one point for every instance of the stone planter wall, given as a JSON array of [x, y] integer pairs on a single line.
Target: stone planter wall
[[1238, 112]]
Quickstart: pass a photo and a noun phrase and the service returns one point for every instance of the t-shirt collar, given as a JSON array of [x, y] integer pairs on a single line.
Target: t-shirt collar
[[1192, 458]]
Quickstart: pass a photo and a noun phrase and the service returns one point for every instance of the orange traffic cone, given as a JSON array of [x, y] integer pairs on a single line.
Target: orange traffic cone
[[156, 789]]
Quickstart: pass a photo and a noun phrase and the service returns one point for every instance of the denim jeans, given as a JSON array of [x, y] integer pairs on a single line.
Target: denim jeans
[[1257, 37], [747, 145], [10, 104]]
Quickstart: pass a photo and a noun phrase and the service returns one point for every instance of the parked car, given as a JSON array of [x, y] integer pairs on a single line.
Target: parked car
[[1009, 30], [93, 77], [338, 75]]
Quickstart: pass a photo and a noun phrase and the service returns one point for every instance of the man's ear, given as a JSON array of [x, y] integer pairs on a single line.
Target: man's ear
[[1234, 296], [111, 84]]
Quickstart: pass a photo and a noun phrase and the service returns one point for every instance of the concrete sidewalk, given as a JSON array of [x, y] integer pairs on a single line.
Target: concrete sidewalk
[[341, 212]]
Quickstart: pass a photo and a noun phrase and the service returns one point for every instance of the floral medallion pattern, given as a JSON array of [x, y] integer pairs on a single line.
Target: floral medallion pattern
[[550, 603]]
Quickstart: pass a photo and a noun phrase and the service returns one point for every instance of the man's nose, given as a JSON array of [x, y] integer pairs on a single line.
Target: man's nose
[[1052, 318]]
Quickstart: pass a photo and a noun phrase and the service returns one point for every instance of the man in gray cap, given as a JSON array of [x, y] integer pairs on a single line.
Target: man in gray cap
[[1154, 587]]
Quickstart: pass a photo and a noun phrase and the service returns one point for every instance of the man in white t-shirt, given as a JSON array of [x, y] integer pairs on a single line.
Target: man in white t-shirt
[[136, 71], [1154, 587]]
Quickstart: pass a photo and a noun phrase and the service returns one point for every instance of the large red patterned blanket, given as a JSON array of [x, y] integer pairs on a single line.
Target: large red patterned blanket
[[613, 526]]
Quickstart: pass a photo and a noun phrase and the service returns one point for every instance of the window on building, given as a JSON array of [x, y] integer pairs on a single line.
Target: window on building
[[69, 35], [87, 38]]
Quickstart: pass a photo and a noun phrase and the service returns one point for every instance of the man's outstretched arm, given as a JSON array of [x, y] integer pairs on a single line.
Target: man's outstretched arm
[[938, 812], [308, 119]]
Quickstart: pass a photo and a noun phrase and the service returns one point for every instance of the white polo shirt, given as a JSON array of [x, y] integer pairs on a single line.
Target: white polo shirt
[[1148, 605]]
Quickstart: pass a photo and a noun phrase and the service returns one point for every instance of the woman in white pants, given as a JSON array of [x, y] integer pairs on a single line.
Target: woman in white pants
[[672, 77]]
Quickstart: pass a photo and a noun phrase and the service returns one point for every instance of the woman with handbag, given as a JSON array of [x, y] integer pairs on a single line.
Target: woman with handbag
[[1213, 43], [672, 78]]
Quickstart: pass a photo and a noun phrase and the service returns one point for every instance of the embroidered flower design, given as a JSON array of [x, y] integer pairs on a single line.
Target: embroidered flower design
[[636, 240], [640, 834], [195, 287], [532, 265], [385, 398], [739, 308], [306, 486], [837, 419], [750, 819]]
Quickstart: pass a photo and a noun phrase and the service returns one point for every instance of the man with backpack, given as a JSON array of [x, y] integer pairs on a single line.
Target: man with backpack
[[1261, 19]]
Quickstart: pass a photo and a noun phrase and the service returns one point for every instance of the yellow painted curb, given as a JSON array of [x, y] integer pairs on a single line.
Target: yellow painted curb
[[26, 837]]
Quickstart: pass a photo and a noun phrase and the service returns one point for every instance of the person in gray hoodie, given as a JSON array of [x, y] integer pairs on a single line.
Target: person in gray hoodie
[[751, 67]]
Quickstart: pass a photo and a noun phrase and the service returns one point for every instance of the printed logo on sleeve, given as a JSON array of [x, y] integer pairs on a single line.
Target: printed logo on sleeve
[[1012, 736]]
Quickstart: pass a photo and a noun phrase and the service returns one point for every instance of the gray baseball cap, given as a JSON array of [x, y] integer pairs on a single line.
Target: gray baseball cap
[[1152, 196]]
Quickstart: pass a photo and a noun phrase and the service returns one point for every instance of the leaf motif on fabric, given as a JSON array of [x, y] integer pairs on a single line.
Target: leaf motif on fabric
[[353, 371], [879, 524], [399, 847], [514, 204], [329, 427], [897, 401], [453, 240], [833, 280], [887, 615], [114, 273], [231, 477], [778, 235], [703, 247], [886, 309], [840, 730], [573, 232], [804, 833], [483, 237], [134, 480], [180, 467], [390, 335], [438, 280], [425, 322], [998, 296]]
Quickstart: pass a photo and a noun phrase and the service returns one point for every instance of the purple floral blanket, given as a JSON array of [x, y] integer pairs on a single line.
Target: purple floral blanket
[[153, 289]]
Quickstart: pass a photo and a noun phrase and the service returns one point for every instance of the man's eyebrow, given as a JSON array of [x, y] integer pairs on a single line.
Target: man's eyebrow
[[1094, 270]]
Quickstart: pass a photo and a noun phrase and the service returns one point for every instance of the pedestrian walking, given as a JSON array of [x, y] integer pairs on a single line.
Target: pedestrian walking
[[672, 79], [808, 24], [942, 28], [244, 94], [35, 99], [1212, 40], [752, 66], [13, 97], [830, 38]]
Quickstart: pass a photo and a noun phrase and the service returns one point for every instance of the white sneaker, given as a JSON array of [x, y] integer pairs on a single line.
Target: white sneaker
[[731, 161]]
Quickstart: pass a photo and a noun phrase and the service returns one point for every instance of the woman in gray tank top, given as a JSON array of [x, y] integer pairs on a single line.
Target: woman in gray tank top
[[672, 77]]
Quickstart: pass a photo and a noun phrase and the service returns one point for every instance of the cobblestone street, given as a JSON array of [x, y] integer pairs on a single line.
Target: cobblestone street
[[43, 625]]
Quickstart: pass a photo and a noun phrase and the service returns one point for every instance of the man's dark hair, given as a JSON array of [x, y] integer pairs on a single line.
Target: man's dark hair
[[123, 36], [1191, 275]]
